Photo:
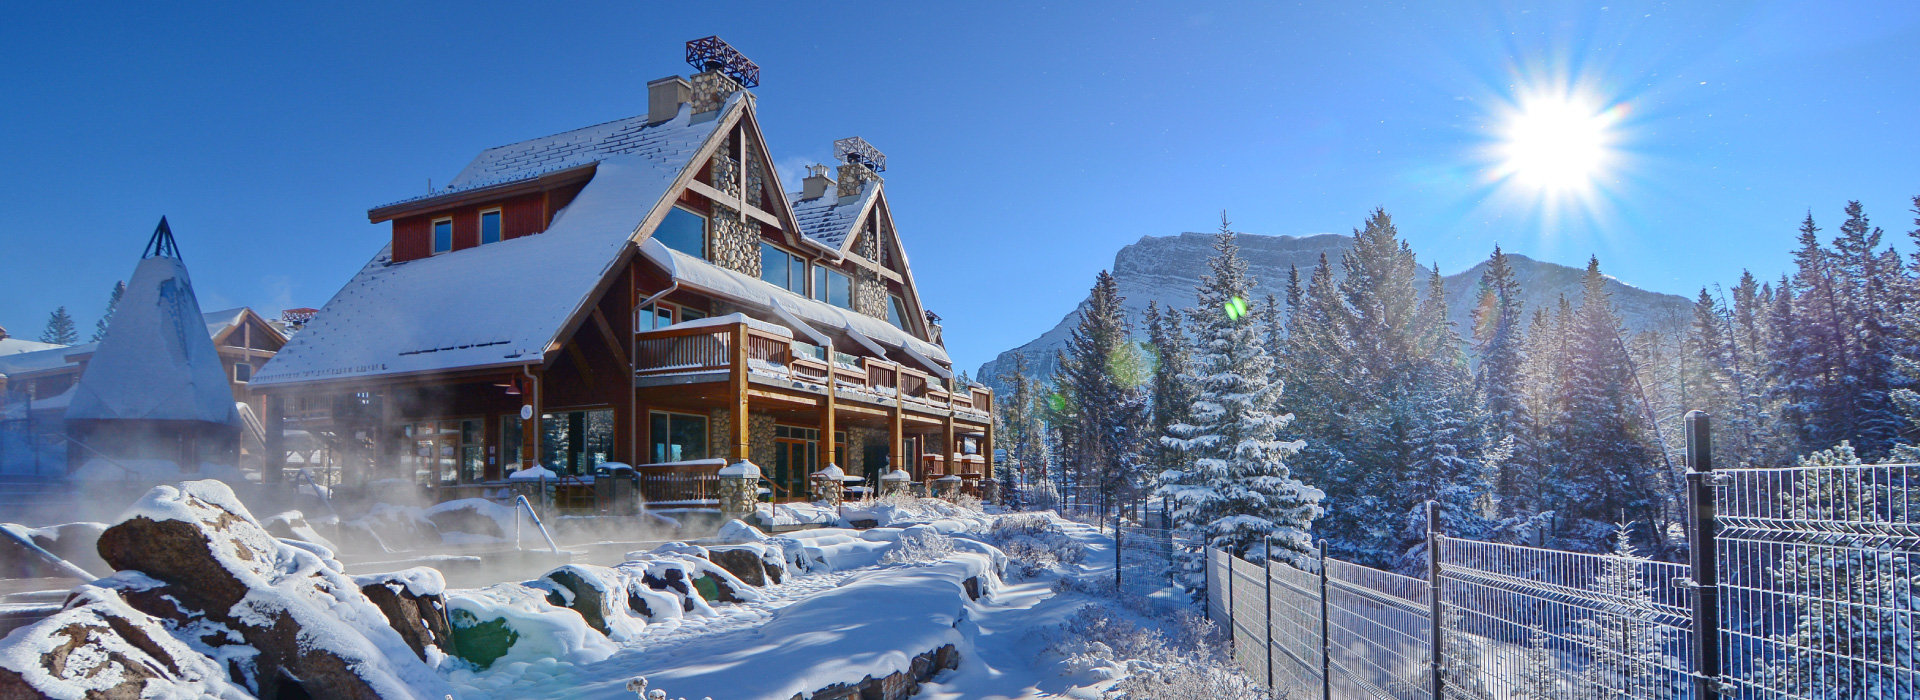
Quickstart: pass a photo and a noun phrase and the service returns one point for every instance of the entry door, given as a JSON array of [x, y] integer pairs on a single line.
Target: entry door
[[792, 461]]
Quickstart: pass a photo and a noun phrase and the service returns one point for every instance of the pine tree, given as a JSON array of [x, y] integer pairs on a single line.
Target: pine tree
[[113, 304], [1606, 470], [1236, 488], [1852, 594], [1443, 435], [1625, 643], [1501, 347], [1104, 409], [60, 330], [1025, 435], [1173, 394]]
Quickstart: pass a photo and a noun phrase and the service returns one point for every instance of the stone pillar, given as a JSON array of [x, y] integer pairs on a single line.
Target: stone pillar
[[894, 482], [946, 487], [990, 490], [827, 485], [739, 490]]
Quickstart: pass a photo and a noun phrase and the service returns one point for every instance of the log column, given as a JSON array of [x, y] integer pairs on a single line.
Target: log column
[[742, 440]]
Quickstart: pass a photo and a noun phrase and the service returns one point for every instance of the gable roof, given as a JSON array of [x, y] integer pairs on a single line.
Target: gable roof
[[504, 303], [830, 219], [16, 346]]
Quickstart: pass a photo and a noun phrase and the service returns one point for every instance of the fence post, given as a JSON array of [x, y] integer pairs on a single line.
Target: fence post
[[1703, 556], [1233, 627], [1438, 662], [1326, 644], [1266, 573]]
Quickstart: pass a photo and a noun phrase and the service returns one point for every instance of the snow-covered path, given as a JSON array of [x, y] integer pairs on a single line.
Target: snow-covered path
[[816, 630]]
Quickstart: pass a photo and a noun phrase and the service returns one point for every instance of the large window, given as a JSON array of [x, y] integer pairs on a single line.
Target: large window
[[839, 288], [490, 227], [782, 269], [676, 437], [684, 231], [574, 442], [442, 236], [897, 311], [446, 451]]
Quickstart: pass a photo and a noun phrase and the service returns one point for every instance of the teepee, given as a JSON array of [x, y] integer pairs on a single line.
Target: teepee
[[155, 393]]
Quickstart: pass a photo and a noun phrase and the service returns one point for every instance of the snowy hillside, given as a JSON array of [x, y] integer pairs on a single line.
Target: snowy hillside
[[1166, 268]]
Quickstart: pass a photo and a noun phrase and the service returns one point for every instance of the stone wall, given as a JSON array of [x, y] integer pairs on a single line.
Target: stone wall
[[850, 177], [759, 436], [732, 242]]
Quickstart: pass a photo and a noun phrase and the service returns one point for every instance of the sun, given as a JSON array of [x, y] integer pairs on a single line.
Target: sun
[[1557, 144]]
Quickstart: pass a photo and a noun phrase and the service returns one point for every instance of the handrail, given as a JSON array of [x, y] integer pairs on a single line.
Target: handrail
[[523, 504], [131, 472], [325, 499], [66, 566]]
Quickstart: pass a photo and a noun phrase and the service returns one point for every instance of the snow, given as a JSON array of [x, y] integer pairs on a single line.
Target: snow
[[546, 631], [296, 583], [533, 472], [742, 469], [729, 320], [456, 310], [699, 275], [829, 218], [92, 670], [156, 362], [418, 581]]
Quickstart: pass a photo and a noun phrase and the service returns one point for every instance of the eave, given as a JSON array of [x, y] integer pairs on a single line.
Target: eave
[[532, 185]]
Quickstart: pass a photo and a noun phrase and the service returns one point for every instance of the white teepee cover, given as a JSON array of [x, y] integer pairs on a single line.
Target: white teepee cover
[[156, 361]]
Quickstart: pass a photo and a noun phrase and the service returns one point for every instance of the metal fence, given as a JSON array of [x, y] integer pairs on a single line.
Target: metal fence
[[1148, 564], [1804, 583]]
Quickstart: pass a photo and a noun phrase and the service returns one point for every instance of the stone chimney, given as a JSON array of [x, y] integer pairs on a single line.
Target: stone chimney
[[815, 185], [710, 90], [851, 177], [664, 97]]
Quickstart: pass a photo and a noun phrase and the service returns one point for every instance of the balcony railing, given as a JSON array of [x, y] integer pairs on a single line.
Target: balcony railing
[[711, 349]]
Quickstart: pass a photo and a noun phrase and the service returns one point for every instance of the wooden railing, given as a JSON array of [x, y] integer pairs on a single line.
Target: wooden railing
[[970, 466], [691, 483], [932, 467], [707, 349]]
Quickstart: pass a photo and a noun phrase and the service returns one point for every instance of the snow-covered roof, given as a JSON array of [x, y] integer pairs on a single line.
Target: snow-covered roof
[[707, 277], [156, 362], [829, 219], [54, 356], [501, 303], [219, 321], [15, 346]]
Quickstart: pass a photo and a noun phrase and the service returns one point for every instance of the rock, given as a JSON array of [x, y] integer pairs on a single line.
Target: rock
[[417, 612], [315, 631], [472, 515], [741, 562], [601, 597], [100, 647], [973, 587]]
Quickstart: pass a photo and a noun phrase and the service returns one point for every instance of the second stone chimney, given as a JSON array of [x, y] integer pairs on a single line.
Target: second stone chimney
[[664, 97], [816, 182], [864, 163]]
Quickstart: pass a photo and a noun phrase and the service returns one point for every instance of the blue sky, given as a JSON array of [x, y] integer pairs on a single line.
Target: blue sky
[[1026, 143]]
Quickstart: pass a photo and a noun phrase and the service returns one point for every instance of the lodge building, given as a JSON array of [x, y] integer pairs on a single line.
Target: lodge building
[[639, 291]]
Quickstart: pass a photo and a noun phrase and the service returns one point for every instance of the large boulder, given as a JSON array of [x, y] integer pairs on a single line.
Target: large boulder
[[756, 564], [414, 602], [315, 632], [99, 647], [600, 595]]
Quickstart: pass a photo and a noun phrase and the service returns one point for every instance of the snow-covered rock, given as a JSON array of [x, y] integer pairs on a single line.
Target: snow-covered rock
[[415, 605], [205, 562], [513, 622], [100, 647]]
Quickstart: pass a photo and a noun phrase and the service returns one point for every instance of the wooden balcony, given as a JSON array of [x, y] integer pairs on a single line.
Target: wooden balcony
[[712, 350]]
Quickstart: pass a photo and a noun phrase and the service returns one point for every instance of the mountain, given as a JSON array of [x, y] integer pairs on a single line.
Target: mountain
[[1166, 269]]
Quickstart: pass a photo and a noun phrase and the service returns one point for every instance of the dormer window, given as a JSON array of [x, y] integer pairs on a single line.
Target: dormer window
[[442, 236], [490, 226], [683, 231]]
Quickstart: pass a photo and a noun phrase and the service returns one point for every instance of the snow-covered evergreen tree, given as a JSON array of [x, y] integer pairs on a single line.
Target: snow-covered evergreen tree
[[60, 330], [1500, 343], [1853, 596], [1024, 436], [1235, 487], [1625, 644], [1102, 421], [113, 304], [1606, 472], [1173, 393]]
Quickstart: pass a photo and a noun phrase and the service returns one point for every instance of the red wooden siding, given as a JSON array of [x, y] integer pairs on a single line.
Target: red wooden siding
[[524, 215]]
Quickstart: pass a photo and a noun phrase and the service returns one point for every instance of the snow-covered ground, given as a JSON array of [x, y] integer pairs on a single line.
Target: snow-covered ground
[[877, 599]]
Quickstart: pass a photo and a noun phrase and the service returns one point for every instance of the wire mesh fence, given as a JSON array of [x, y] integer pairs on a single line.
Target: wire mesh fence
[[1814, 581], [1529, 622], [1151, 564], [1820, 574]]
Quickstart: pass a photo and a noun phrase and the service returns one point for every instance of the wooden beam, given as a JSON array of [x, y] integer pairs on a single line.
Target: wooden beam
[[898, 432], [826, 427], [729, 200], [742, 442], [580, 362], [613, 343], [876, 267]]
